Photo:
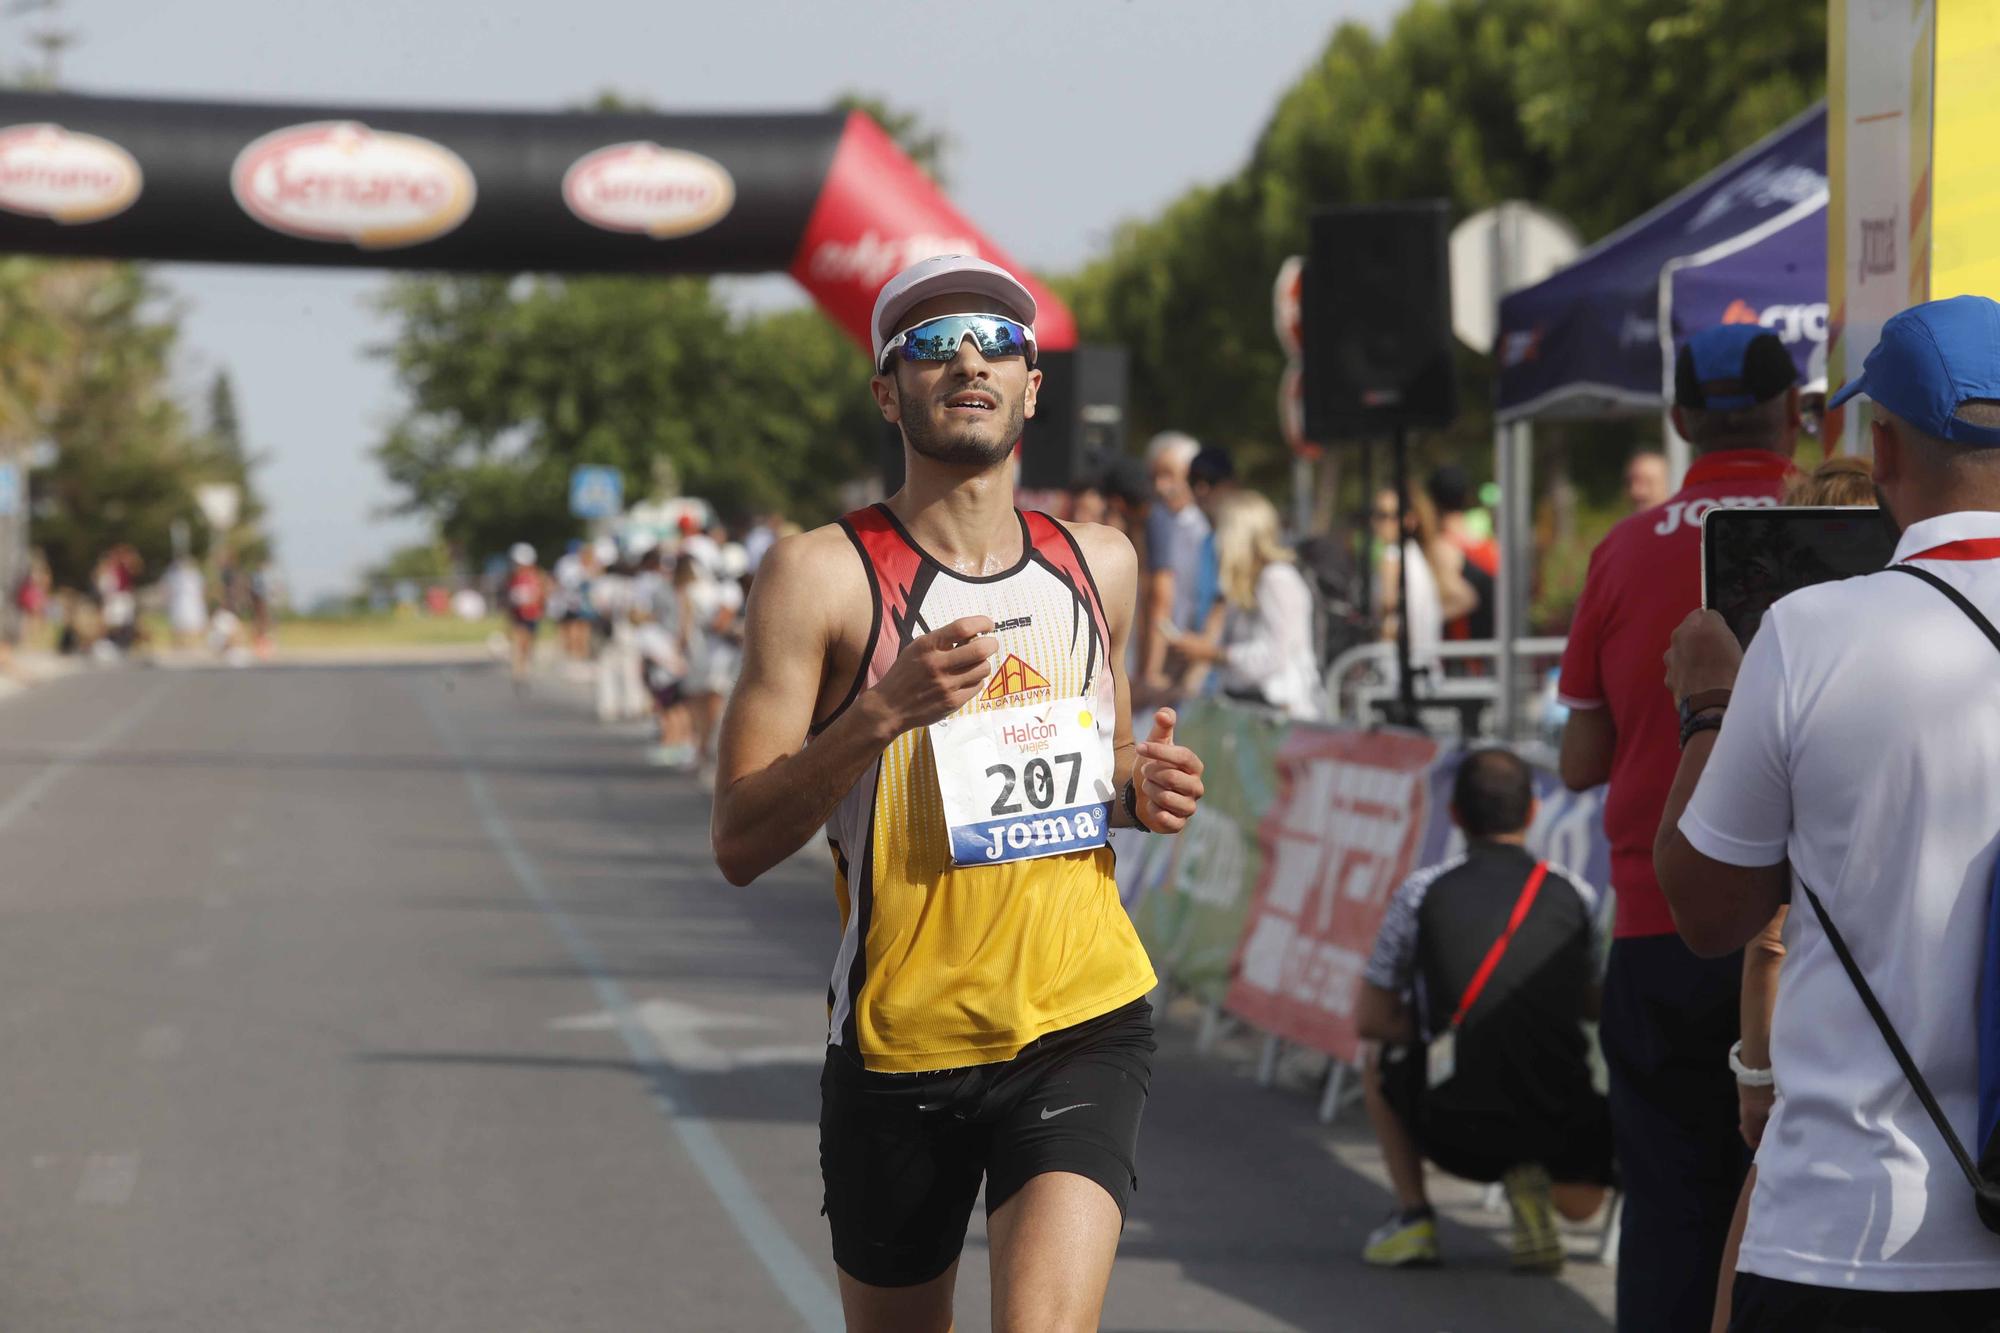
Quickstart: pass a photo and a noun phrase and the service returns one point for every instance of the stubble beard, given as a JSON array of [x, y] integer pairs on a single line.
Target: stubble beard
[[965, 445]]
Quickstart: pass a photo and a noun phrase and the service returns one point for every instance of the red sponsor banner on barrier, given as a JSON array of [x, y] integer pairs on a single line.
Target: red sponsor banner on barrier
[[878, 214], [1350, 817]]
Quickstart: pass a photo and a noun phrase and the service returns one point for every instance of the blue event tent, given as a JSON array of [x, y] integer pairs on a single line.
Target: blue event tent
[[1747, 242]]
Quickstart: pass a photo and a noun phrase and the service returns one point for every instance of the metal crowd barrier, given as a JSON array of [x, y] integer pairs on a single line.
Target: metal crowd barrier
[[1361, 685]]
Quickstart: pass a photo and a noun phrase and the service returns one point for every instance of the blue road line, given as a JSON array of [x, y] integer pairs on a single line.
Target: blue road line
[[796, 1277]]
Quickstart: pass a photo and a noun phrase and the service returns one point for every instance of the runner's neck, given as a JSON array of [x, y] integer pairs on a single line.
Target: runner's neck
[[965, 523]]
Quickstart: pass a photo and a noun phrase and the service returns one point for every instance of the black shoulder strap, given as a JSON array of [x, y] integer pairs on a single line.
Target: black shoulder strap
[[1833, 936], [1958, 598], [1896, 1047]]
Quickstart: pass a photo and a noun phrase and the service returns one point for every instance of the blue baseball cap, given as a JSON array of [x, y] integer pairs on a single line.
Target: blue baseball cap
[[1931, 358], [1732, 366]]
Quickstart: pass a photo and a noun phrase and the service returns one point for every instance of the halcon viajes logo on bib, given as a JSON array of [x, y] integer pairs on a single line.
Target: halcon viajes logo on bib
[[642, 187], [49, 172], [341, 181]]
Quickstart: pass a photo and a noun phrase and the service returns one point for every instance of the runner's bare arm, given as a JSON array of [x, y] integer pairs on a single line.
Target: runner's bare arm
[[1166, 778], [772, 790], [1382, 1015]]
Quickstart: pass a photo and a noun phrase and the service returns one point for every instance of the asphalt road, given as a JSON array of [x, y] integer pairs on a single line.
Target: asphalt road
[[378, 999]]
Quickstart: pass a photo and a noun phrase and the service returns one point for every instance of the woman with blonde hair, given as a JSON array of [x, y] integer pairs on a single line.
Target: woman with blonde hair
[[1844, 479], [1266, 654]]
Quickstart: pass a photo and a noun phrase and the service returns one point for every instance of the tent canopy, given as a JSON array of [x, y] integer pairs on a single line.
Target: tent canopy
[[1595, 338], [1774, 275]]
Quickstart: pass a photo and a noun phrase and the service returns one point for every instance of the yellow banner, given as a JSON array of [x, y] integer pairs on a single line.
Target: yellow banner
[[1965, 151]]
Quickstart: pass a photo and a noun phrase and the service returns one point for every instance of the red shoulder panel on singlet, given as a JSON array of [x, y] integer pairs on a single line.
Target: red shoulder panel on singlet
[[1059, 550], [892, 565]]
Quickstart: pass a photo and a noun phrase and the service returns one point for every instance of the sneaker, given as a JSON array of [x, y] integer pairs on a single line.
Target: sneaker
[[1538, 1246], [677, 757], [1406, 1240]]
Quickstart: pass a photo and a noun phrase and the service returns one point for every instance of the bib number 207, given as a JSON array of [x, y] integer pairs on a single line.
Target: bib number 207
[[1036, 782], [1023, 782]]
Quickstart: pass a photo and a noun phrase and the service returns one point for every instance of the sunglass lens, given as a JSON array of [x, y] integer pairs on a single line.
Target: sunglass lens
[[939, 339]]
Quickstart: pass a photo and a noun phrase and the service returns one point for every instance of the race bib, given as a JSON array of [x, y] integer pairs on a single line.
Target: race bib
[[1024, 782]]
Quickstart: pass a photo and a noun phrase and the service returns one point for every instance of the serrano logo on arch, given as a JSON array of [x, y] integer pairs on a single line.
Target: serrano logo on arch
[[644, 188], [342, 181], [49, 172]]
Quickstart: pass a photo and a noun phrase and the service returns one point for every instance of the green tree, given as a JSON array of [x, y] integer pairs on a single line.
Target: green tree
[[512, 384], [231, 461], [1596, 109], [125, 459]]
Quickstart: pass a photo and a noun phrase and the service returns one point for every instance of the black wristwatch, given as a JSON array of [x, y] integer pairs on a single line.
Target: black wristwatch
[[1702, 712], [1130, 797]]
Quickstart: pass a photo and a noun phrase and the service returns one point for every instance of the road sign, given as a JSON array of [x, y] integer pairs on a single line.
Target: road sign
[[1292, 412], [596, 492], [1495, 251], [1287, 304], [220, 502]]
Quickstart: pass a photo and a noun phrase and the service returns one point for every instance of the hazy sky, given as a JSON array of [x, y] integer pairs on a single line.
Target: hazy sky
[[1113, 107]]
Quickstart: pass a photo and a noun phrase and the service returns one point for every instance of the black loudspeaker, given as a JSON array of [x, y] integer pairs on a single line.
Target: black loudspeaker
[[1079, 416], [1378, 342]]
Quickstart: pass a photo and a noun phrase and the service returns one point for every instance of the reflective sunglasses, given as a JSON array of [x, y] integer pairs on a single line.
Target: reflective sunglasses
[[939, 339]]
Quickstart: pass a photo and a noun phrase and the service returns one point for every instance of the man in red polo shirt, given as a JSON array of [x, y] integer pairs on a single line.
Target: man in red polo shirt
[[1669, 1018]]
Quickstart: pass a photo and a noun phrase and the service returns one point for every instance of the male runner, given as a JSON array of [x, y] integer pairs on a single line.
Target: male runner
[[938, 682]]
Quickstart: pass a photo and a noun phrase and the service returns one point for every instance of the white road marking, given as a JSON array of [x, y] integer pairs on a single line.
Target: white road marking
[[163, 1042], [677, 1028], [798, 1279], [108, 1178], [38, 786]]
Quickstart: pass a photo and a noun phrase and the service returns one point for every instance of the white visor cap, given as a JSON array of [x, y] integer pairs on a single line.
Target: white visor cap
[[937, 276]]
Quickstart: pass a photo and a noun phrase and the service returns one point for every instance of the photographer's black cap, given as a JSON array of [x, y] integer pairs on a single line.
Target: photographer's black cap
[[1731, 367]]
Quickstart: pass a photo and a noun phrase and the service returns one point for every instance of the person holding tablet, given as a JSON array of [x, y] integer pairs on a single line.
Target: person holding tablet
[[1669, 1017], [1847, 757]]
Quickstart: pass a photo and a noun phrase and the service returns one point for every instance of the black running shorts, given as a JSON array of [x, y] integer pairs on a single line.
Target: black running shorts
[[903, 1155]]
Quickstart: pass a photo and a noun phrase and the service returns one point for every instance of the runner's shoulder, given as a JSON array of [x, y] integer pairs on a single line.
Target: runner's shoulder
[[815, 569], [1106, 550]]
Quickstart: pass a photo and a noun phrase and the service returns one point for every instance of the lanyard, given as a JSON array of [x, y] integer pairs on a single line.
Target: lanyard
[[1972, 548], [1492, 960]]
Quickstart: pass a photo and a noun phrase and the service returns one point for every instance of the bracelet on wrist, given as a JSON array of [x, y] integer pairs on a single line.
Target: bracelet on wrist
[[1699, 723], [1748, 1077]]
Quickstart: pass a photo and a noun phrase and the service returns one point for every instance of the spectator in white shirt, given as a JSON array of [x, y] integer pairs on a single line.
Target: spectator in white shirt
[[1859, 754], [1436, 583], [1266, 654]]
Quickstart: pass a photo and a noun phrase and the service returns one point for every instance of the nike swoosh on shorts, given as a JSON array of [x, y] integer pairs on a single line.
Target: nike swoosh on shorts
[[1047, 1114]]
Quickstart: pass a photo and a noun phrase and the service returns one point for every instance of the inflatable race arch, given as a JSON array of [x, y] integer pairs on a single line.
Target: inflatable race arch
[[828, 198]]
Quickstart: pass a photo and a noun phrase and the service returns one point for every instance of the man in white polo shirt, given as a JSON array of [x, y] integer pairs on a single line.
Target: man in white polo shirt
[[1857, 746]]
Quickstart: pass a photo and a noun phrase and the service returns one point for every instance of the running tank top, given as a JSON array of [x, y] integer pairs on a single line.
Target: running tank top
[[942, 966]]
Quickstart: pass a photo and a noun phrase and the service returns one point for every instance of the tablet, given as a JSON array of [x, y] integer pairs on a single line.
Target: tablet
[[1752, 557]]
